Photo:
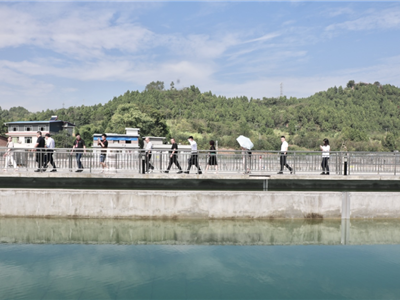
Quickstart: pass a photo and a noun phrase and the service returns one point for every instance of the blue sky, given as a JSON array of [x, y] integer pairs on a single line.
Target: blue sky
[[73, 53]]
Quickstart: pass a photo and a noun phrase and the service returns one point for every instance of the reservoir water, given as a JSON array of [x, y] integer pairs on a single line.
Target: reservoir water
[[145, 259]]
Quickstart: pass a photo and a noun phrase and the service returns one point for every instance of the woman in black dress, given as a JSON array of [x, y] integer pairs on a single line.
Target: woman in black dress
[[212, 157]]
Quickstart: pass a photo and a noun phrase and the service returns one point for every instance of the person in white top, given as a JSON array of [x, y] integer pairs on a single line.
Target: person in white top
[[9, 155], [148, 149], [283, 154], [50, 145], [325, 157], [193, 156]]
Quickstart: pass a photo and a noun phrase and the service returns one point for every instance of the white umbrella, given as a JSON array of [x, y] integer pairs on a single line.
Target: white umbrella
[[245, 142]]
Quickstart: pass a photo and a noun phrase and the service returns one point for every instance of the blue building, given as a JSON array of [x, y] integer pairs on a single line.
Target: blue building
[[119, 140]]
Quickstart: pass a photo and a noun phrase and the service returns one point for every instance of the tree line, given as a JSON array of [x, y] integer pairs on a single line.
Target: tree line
[[357, 117]]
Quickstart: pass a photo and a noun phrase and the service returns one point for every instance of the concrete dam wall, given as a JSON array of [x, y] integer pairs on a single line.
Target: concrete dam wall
[[198, 204]]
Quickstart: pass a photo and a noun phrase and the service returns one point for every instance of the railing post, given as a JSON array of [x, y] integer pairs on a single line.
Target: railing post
[[395, 163], [348, 163], [161, 159], [294, 162], [379, 165], [245, 162], [116, 161], [70, 161]]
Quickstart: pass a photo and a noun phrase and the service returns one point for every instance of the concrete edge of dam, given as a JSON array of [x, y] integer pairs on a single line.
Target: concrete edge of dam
[[203, 183]]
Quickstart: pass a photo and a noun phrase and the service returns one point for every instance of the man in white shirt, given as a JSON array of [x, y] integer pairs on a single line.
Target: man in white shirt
[[193, 160], [50, 145], [148, 149], [284, 149]]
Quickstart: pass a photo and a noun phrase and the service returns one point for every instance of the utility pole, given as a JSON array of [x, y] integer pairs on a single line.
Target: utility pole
[[281, 90]]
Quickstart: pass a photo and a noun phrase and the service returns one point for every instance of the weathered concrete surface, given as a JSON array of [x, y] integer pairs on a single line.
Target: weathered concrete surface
[[168, 204], [197, 204], [384, 205]]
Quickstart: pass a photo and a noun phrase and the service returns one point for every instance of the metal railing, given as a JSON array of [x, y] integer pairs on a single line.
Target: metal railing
[[255, 162]]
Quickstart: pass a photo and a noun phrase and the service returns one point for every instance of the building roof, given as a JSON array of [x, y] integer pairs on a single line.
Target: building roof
[[116, 134], [37, 122]]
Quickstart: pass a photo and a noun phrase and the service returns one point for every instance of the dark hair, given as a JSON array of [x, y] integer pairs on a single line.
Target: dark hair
[[39, 132], [47, 134], [77, 134], [326, 142], [105, 135], [190, 137], [283, 136], [212, 143]]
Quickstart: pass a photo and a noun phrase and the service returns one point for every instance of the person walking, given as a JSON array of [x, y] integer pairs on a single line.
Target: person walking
[[212, 157], [79, 144], [283, 155], [103, 143], [50, 145], [149, 149], [325, 148], [246, 158], [9, 155], [173, 157], [193, 160], [40, 151]]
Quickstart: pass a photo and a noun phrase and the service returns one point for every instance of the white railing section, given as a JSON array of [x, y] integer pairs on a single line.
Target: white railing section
[[254, 162]]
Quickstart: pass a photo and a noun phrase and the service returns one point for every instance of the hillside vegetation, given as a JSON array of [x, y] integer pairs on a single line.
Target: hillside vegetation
[[358, 117]]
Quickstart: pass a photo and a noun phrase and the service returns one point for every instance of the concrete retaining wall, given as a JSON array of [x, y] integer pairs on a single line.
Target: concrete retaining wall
[[197, 204]]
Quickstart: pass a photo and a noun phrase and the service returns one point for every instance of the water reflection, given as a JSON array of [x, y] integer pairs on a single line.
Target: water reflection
[[217, 232], [136, 259]]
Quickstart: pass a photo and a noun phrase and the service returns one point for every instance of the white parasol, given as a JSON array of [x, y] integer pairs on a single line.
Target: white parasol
[[245, 142]]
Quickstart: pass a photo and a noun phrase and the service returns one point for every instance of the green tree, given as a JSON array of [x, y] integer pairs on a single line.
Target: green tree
[[158, 86], [129, 116], [351, 84], [63, 139], [389, 141]]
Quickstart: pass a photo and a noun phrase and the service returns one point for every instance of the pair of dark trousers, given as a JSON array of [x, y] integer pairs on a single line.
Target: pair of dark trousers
[[40, 158], [49, 159], [173, 160], [325, 164], [148, 164], [283, 162], [193, 161], [78, 160]]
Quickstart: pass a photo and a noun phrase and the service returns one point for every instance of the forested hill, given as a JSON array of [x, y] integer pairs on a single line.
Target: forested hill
[[356, 117]]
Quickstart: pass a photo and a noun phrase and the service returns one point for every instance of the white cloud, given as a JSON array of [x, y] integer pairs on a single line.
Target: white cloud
[[81, 34], [345, 10], [105, 45], [18, 89], [384, 19], [264, 38], [295, 86]]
